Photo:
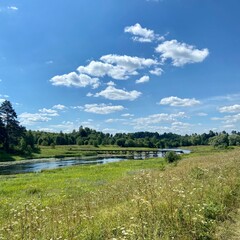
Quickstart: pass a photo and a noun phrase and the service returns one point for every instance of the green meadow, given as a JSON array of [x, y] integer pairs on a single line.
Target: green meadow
[[195, 198]]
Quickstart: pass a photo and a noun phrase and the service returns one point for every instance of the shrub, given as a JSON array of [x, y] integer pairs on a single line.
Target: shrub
[[172, 157]]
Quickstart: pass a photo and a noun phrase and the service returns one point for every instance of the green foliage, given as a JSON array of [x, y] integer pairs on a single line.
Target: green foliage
[[219, 141], [234, 140], [10, 129], [172, 157]]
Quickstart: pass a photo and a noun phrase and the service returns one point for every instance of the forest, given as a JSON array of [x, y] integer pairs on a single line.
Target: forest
[[16, 138]]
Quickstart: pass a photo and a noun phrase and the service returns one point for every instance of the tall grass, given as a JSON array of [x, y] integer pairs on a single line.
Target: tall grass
[[128, 200]]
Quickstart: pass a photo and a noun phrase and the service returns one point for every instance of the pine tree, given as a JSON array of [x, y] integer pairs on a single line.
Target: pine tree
[[12, 129], [2, 131]]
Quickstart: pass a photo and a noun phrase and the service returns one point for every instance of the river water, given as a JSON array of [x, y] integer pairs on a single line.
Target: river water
[[46, 164]]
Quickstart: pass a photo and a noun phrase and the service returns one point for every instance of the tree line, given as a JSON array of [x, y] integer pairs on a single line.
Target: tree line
[[14, 137]]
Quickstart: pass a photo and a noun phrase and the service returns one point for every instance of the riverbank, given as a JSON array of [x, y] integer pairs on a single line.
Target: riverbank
[[50, 159], [61, 151]]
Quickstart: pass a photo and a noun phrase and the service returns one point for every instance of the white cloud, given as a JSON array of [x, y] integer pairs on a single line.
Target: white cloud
[[230, 109], [43, 115], [156, 71], [112, 120], [140, 34], [113, 93], [123, 66], [89, 94], [59, 107], [130, 63], [181, 53], [111, 83], [119, 67], [31, 118], [181, 124], [75, 80], [77, 107], [4, 96], [157, 118], [179, 102], [95, 68], [102, 108], [100, 69], [113, 130], [127, 115], [143, 79], [229, 119], [230, 126], [14, 8], [48, 112]]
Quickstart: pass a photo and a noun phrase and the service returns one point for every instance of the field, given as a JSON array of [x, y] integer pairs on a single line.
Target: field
[[195, 198]]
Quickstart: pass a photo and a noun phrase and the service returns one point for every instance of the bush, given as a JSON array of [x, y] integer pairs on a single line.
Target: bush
[[172, 157]]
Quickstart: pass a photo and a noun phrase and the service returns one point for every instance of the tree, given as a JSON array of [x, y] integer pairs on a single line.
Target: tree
[[234, 140], [2, 131], [13, 130], [220, 141]]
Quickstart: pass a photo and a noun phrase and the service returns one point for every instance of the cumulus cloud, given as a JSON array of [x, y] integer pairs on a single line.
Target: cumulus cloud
[[113, 93], [143, 79], [181, 53], [229, 119], [116, 66], [140, 34], [156, 71], [31, 118], [48, 112], [130, 63], [59, 107], [179, 102], [43, 115], [90, 94], [102, 108], [96, 69], [111, 83], [230, 109], [75, 80], [158, 118]]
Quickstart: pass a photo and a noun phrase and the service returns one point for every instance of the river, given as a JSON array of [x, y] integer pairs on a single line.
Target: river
[[38, 165]]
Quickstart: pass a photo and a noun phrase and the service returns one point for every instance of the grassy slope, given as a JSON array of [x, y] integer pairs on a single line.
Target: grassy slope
[[126, 200]]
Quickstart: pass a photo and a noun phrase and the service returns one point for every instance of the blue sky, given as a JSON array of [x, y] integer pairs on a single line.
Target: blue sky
[[122, 65]]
